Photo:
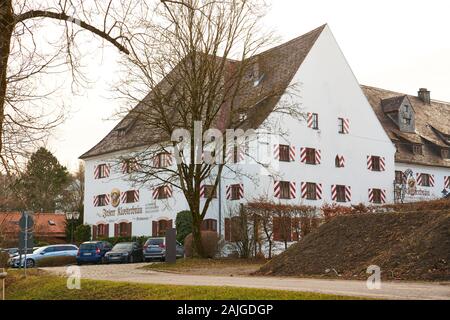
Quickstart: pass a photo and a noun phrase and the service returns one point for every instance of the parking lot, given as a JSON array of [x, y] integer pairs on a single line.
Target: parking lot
[[134, 273]]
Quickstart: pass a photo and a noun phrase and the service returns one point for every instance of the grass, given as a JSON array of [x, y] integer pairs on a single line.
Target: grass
[[42, 286], [189, 264]]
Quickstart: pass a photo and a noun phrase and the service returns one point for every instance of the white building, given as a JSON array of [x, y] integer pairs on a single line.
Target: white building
[[340, 154]]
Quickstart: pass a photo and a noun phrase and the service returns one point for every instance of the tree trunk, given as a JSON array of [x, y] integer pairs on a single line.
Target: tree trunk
[[6, 27], [197, 235]]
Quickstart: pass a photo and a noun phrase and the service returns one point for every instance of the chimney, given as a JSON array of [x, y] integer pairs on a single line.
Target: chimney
[[425, 95]]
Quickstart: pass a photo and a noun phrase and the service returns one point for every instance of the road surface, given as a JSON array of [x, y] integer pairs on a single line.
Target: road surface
[[389, 290]]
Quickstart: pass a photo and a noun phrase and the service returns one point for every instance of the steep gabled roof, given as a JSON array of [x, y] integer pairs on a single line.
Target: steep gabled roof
[[277, 67], [432, 122]]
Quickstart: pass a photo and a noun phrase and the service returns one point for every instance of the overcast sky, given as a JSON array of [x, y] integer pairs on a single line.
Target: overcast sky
[[400, 45]]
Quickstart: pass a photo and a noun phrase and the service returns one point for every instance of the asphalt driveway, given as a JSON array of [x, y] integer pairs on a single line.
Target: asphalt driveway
[[389, 290]]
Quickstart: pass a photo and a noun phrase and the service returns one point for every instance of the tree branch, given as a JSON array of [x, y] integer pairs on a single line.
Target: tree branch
[[64, 17]]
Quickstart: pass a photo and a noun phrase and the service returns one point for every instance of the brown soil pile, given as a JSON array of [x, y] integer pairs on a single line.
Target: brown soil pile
[[406, 246]]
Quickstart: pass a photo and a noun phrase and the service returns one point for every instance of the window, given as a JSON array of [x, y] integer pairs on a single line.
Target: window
[[285, 192], [282, 229], [235, 192], [103, 230], [376, 166], [425, 180], [376, 196], [341, 125], [130, 197], [311, 191], [129, 166], [339, 162], [340, 194], [417, 149], [315, 121], [445, 153], [162, 160], [310, 156], [159, 229], [209, 192], [209, 225], [123, 229], [398, 177], [164, 192], [103, 171], [102, 200], [284, 153]]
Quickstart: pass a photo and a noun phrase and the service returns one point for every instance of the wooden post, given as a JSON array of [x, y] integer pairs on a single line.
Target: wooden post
[[3, 275]]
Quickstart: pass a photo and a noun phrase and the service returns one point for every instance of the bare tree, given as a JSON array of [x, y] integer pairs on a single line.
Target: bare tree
[[29, 54], [194, 57]]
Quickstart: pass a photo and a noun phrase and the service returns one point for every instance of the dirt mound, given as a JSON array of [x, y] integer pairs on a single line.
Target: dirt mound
[[407, 246]]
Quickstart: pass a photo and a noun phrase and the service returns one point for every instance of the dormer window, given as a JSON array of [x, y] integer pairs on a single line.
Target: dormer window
[[445, 153], [121, 132], [417, 149]]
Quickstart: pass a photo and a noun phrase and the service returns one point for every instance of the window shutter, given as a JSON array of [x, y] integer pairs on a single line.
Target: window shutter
[[94, 232], [95, 202], [303, 155], [346, 126], [116, 230], [241, 191], [227, 229], [318, 156], [432, 180], [276, 152], [304, 190], [369, 163], [333, 193], [419, 179], [383, 196], [277, 189], [170, 224], [382, 164], [292, 153], [319, 191], [155, 193], [447, 182], [228, 192], [96, 172], [107, 170], [310, 120], [107, 230], [348, 194], [107, 199], [136, 195], [154, 228], [293, 190], [130, 229]]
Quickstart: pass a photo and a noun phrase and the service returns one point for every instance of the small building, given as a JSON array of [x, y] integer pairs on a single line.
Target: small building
[[48, 227], [419, 127]]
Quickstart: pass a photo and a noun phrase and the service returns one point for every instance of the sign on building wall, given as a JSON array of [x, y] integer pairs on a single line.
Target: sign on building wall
[[414, 186]]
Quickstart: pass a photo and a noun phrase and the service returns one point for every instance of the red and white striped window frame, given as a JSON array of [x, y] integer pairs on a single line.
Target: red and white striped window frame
[[341, 193], [285, 190], [131, 196], [102, 171], [235, 192], [425, 179]]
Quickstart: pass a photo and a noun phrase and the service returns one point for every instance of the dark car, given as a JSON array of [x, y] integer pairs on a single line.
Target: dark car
[[155, 248], [125, 252], [93, 252]]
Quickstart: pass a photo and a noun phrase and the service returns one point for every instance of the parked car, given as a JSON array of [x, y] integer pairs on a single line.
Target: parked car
[[93, 252], [125, 252], [11, 251], [59, 250], [155, 248]]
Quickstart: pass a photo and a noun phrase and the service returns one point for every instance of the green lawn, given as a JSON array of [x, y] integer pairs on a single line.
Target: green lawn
[[41, 286], [188, 263]]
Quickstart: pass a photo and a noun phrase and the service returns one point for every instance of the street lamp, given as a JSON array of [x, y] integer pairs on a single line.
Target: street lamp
[[72, 217]]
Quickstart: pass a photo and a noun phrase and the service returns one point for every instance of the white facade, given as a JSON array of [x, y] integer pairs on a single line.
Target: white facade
[[330, 90]]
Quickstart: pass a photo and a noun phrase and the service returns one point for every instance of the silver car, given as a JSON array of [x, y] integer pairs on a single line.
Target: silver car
[[59, 250], [155, 248]]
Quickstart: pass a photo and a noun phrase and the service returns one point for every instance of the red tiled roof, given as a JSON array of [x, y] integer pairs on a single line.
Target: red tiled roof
[[45, 224]]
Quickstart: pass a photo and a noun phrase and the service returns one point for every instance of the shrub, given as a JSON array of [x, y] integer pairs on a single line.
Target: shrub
[[210, 241], [56, 261], [82, 233], [183, 224], [4, 257]]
